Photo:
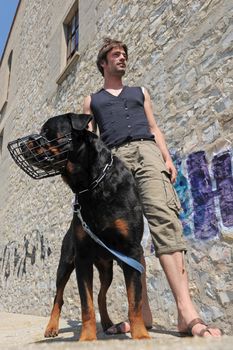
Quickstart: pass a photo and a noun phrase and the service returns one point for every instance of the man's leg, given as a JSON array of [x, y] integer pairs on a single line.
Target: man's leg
[[161, 208], [174, 268]]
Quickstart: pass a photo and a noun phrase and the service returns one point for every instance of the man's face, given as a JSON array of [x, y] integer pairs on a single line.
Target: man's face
[[116, 62]]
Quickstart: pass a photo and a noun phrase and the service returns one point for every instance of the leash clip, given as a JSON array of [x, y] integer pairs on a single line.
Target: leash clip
[[76, 206]]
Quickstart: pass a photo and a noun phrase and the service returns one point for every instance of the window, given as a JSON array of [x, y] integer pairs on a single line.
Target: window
[[72, 35], [3, 111], [1, 142], [9, 72], [69, 42], [10, 60]]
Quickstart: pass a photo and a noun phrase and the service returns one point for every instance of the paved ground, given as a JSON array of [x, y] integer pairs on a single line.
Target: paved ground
[[26, 332]]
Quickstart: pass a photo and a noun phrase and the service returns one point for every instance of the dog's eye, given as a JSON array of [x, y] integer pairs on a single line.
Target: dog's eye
[[45, 132]]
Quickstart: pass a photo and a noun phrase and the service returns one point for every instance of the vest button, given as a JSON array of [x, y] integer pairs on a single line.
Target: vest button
[[129, 126]]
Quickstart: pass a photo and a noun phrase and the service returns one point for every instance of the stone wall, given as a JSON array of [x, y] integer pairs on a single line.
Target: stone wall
[[181, 51]]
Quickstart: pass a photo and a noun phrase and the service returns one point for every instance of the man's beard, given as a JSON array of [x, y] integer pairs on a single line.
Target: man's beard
[[119, 73]]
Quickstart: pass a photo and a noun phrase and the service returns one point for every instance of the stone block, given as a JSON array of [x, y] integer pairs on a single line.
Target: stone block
[[211, 133], [224, 298], [221, 254], [227, 235]]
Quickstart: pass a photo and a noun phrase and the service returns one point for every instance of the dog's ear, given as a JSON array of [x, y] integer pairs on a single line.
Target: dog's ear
[[80, 121]]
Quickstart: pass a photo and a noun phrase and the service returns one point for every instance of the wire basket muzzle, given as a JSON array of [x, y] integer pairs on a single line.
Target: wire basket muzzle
[[39, 157]]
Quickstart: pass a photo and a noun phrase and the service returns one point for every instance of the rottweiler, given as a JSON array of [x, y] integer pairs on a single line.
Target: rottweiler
[[110, 207]]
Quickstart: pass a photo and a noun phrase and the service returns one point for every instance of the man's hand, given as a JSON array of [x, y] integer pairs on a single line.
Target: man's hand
[[172, 170]]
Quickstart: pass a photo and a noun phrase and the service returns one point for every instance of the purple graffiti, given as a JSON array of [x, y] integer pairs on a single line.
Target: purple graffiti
[[207, 200], [222, 170], [205, 220]]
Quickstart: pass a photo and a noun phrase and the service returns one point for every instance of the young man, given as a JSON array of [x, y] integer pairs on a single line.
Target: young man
[[125, 119]]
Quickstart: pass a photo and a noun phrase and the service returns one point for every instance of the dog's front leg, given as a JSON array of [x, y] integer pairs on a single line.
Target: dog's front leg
[[105, 269], [63, 274], [84, 274], [134, 293], [65, 268]]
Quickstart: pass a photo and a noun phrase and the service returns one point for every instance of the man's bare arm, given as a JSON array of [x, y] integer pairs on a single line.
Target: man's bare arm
[[87, 110], [159, 136]]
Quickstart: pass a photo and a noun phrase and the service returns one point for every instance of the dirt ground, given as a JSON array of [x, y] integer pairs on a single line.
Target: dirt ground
[[26, 332]]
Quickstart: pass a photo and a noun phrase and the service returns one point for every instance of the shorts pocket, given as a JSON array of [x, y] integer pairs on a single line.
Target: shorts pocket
[[172, 198]]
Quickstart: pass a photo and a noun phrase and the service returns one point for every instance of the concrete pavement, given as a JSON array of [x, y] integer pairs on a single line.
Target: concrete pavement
[[26, 332]]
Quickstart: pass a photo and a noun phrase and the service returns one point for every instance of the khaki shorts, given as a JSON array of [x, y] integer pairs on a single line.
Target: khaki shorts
[[161, 205]]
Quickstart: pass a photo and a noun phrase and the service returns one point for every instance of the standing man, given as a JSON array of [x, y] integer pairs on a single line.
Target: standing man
[[126, 123]]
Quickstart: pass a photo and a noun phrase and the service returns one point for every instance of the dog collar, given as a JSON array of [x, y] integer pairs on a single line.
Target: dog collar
[[96, 182]]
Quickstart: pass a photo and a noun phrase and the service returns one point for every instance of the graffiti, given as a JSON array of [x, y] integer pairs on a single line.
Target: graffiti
[[205, 221], [182, 189], [205, 190], [16, 257], [222, 170]]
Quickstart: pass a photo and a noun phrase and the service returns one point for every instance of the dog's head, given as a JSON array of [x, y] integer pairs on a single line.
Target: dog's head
[[45, 154]]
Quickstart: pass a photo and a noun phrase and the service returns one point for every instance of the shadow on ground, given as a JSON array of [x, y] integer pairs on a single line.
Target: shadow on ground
[[74, 327]]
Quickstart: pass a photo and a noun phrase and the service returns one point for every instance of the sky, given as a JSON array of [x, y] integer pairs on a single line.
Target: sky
[[7, 12]]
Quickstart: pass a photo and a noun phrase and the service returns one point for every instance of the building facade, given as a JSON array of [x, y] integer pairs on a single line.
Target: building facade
[[181, 51]]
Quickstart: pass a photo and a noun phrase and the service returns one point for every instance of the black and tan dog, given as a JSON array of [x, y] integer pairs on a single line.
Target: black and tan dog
[[110, 207]]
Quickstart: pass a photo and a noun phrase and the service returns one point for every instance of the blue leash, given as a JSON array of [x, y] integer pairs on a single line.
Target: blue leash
[[127, 260]]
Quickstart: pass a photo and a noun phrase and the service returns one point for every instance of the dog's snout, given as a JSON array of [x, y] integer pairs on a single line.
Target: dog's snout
[[41, 155], [29, 142]]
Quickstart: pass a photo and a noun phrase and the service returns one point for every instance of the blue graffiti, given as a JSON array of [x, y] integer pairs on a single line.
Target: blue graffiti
[[182, 189], [199, 196]]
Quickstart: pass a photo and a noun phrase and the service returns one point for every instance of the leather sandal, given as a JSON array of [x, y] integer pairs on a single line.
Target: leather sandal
[[193, 323]]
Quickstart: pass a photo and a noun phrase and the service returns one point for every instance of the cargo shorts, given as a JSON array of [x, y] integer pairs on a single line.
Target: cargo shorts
[[161, 205]]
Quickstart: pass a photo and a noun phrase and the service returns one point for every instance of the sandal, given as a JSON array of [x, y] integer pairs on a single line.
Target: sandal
[[202, 332]]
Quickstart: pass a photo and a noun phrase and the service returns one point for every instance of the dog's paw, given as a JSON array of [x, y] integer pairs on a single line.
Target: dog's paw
[[51, 331]]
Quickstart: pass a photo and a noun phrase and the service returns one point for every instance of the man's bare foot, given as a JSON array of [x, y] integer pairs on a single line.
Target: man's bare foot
[[198, 328], [119, 328]]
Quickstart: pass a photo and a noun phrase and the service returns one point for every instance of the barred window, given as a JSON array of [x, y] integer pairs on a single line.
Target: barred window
[[72, 36]]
